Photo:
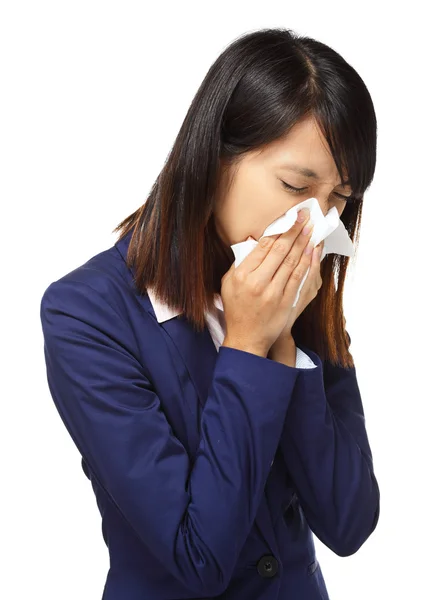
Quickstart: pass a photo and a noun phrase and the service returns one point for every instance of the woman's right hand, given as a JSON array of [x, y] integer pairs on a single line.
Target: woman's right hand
[[257, 296]]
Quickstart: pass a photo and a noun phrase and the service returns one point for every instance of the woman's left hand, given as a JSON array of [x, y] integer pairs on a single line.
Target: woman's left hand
[[308, 292]]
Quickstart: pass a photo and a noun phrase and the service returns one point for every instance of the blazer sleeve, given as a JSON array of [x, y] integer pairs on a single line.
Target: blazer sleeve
[[195, 517], [328, 456]]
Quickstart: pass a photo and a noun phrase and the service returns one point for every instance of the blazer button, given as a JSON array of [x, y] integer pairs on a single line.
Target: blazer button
[[267, 566]]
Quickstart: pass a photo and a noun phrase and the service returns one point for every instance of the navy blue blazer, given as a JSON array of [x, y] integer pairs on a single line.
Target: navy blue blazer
[[178, 438]]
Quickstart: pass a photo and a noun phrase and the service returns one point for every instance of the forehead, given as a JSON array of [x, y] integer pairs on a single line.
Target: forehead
[[303, 145]]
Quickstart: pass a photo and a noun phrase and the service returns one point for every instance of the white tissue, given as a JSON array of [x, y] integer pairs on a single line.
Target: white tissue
[[328, 228]]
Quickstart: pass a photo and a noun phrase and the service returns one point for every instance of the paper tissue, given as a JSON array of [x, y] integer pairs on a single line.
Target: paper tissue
[[328, 228]]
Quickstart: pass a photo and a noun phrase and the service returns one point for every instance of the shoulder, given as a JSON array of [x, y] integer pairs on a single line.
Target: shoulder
[[92, 307], [103, 280]]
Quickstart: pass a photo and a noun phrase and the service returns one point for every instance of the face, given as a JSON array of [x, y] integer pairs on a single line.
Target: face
[[253, 192]]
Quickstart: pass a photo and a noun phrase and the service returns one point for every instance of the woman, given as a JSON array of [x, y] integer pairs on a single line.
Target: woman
[[212, 453]]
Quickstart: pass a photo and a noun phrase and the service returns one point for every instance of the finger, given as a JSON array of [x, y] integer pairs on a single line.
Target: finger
[[256, 259], [257, 254], [295, 265], [284, 257], [315, 266], [316, 257]]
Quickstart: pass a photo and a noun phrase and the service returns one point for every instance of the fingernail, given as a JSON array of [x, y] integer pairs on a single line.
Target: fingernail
[[307, 228], [303, 214], [309, 248]]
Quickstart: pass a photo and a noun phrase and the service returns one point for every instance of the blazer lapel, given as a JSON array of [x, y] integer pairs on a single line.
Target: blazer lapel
[[199, 354], [197, 349]]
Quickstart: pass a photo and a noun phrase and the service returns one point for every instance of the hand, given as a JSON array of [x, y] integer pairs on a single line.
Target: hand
[[308, 292], [258, 294]]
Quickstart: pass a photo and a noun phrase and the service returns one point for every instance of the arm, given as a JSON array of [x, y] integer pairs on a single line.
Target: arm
[[286, 352], [194, 518], [327, 453]]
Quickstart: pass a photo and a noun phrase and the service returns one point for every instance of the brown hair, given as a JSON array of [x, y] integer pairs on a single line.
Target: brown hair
[[254, 92]]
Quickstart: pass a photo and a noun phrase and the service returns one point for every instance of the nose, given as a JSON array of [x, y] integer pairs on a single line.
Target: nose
[[325, 205]]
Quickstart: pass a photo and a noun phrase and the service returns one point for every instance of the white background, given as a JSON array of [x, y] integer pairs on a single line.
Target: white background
[[92, 97]]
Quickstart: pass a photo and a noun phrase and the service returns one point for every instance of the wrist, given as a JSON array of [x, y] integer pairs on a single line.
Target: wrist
[[284, 350], [284, 340], [244, 346]]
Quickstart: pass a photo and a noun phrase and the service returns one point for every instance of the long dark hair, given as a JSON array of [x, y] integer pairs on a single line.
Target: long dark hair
[[255, 91]]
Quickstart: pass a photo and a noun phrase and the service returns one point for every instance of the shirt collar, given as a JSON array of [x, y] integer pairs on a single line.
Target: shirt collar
[[163, 312]]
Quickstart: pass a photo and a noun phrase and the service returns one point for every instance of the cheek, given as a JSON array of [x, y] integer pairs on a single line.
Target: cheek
[[254, 202], [280, 203], [249, 210], [264, 203]]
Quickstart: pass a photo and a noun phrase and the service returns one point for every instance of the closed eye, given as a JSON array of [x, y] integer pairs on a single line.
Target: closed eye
[[291, 188]]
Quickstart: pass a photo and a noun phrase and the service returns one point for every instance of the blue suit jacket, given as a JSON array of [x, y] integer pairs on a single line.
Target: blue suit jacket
[[177, 440]]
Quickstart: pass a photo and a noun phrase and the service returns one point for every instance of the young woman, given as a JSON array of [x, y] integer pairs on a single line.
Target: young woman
[[218, 425]]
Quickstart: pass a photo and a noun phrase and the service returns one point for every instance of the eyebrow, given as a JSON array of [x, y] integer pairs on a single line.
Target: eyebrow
[[305, 171]]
